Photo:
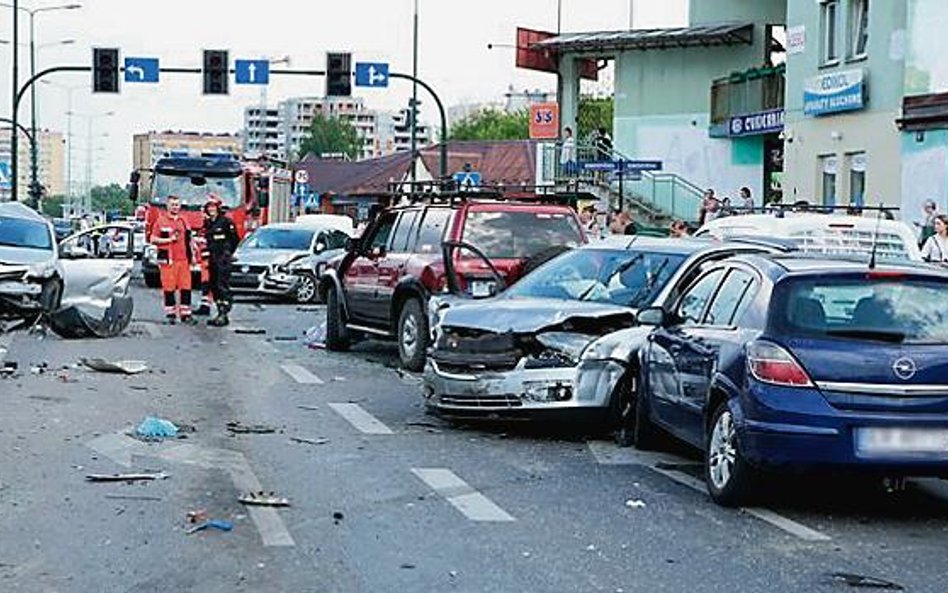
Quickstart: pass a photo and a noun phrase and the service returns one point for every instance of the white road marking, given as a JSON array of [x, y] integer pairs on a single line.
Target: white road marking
[[363, 421], [611, 454], [301, 375], [471, 503], [121, 448]]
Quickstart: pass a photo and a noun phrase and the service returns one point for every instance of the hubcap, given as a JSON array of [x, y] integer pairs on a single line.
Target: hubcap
[[306, 290], [409, 336], [722, 451]]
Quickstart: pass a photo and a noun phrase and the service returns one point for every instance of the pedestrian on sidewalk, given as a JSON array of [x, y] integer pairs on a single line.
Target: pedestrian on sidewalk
[[747, 200], [679, 230], [622, 223], [927, 224], [936, 247], [172, 237], [707, 210], [221, 236]]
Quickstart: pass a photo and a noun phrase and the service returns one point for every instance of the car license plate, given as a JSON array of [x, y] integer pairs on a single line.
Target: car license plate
[[480, 289], [888, 442]]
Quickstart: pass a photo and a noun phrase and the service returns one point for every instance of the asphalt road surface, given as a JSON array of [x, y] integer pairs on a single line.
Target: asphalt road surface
[[383, 497]]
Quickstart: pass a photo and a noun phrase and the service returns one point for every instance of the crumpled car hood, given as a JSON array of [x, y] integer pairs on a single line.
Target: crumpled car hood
[[519, 315], [265, 257]]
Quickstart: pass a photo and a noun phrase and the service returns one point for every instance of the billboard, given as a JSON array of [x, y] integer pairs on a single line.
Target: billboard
[[835, 92]]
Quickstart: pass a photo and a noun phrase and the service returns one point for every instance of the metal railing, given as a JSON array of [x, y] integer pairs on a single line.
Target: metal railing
[[660, 194]]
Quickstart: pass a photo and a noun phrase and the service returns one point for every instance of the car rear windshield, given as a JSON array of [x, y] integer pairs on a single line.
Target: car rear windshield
[[619, 277], [516, 235], [28, 234], [885, 309], [269, 238], [847, 240]]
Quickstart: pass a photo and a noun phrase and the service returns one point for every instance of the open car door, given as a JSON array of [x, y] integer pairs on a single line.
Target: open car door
[[97, 266]]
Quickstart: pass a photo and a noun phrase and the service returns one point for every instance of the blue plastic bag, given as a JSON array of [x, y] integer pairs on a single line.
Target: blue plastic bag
[[156, 428]]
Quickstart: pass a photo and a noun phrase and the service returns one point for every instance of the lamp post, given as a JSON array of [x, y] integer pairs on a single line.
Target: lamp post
[[90, 120], [34, 181], [414, 102], [70, 192]]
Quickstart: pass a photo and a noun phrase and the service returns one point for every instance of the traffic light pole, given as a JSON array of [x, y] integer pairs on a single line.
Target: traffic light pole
[[39, 75]]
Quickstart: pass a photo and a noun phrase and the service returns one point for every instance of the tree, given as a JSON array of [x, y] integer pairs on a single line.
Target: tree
[[595, 113], [111, 198], [492, 124], [331, 135], [53, 206]]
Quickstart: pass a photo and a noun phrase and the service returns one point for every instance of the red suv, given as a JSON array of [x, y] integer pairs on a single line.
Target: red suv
[[381, 286]]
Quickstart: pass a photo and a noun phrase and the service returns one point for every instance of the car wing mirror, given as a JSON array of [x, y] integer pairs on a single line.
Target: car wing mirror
[[653, 316]]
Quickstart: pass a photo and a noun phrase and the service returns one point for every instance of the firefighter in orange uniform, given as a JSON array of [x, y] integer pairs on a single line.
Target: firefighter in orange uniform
[[171, 235]]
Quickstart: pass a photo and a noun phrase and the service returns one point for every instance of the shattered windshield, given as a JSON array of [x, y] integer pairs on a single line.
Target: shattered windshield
[[627, 278], [28, 234]]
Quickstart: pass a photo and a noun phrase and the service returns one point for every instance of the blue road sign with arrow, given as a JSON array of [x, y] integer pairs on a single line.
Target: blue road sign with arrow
[[467, 180], [371, 74], [142, 70], [252, 71]]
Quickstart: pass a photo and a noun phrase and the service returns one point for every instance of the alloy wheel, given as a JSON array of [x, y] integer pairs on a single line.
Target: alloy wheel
[[306, 290], [722, 452], [409, 336]]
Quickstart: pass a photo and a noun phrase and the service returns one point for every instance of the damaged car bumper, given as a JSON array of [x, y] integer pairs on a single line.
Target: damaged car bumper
[[523, 393]]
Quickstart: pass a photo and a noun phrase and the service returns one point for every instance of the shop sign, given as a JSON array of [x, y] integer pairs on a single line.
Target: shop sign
[[755, 124], [835, 92]]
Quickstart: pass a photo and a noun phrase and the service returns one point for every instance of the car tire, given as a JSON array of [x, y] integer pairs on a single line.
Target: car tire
[[622, 411], [730, 479], [52, 295], [646, 435], [337, 338], [152, 279], [308, 289], [413, 336]]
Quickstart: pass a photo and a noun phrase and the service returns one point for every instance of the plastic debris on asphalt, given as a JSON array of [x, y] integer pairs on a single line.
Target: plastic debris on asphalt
[[315, 337], [238, 428], [212, 524], [250, 331], [302, 441], [8, 368], [139, 477], [264, 499], [635, 504], [156, 428], [121, 367]]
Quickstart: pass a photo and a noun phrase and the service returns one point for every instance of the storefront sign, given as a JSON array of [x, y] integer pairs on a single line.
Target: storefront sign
[[753, 124], [835, 92]]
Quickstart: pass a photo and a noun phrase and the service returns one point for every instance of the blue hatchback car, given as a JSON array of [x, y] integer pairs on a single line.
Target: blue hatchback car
[[784, 361]]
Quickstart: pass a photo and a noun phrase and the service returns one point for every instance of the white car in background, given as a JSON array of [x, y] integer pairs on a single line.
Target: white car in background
[[825, 234]]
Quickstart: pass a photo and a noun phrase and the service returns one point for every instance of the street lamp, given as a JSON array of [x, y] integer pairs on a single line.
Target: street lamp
[[34, 182], [70, 192], [90, 119]]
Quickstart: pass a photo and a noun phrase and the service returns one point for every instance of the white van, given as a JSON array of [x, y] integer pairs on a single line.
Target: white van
[[826, 234]]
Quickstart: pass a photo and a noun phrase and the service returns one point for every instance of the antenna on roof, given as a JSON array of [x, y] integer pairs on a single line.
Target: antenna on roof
[[875, 238]]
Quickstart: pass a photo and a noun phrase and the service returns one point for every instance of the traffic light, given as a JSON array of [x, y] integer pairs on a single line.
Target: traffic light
[[216, 72], [105, 70], [338, 74]]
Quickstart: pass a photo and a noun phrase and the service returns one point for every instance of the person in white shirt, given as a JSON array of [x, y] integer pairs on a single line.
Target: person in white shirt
[[568, 153], [935, 248]]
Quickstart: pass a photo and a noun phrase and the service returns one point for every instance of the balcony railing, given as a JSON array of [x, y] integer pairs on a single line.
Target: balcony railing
[[751, 91]]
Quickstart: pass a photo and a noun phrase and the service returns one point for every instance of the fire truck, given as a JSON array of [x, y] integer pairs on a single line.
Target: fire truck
[[254, 192]]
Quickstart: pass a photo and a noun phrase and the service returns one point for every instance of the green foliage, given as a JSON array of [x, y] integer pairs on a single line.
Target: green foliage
[[331, 135], [492, 124], [53, 206], [112, 197], [595, 113]]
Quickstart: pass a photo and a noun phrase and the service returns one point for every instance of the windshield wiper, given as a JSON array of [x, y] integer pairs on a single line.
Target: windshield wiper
[[869, 334], [621, 268]]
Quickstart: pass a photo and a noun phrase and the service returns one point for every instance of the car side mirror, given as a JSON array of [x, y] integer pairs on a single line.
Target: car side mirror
[[653, 316]]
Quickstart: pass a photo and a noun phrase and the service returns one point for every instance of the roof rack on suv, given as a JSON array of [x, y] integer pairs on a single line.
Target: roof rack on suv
[[450, 192], [802, 206]]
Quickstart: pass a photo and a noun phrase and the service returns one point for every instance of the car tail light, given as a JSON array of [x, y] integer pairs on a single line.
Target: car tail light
[[771, 364]]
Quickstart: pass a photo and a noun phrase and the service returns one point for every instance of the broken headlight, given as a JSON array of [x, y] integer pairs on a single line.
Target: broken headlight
[[43, 270], [564, 346], [547, 391]]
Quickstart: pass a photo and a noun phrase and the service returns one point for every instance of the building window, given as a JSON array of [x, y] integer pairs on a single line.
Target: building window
[[857, 178], [829, 13], [858, 28], [828, 168]]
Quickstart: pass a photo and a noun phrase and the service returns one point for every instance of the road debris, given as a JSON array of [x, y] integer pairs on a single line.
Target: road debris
[[39, 369], [9, 368], [239, 428], [319, 441], [309, 308], [197, 516], [133, 497], [258, 307], [407, 566], [212, 524], [264, 499], [309, 408], [285, 339], [315, 337], [864, 582], [337, 517], [140, 477], [121, 367], [156, 429], [250, 331], [635, 504]]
